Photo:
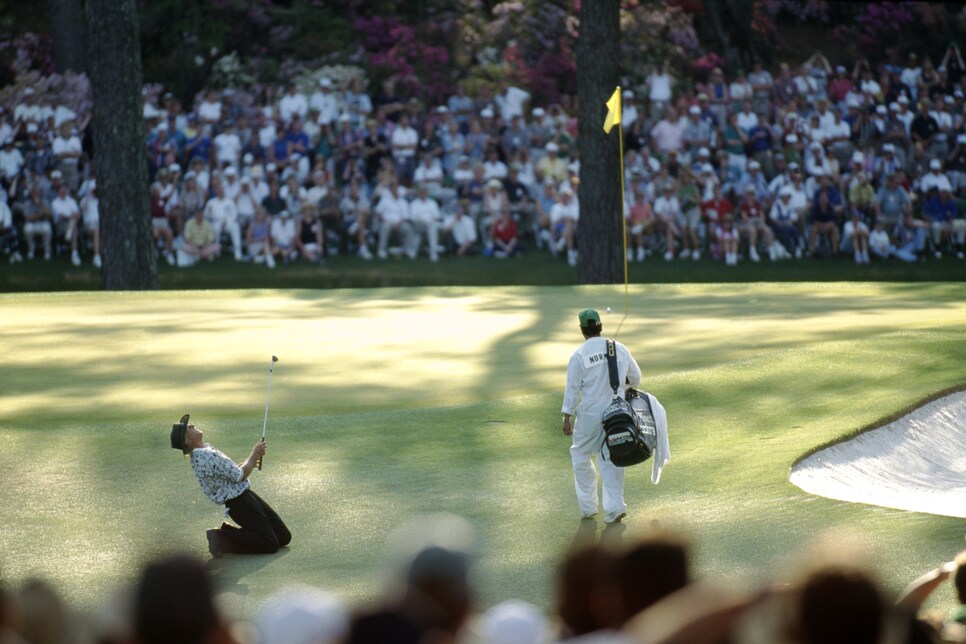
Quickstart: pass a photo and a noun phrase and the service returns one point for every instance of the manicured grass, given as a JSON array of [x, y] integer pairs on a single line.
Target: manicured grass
[[389, 403], [535, 268]]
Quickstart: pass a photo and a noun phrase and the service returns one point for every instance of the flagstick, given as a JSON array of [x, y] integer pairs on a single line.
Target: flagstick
[[620, 139]]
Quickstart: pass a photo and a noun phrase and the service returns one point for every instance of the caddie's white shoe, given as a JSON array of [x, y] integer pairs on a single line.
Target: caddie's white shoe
[[75, 258], [615, 518], [97, 261]]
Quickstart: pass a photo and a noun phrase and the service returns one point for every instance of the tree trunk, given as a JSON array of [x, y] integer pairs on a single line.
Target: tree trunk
[[600, 233], [731, 27], [129, 254], [68, 28]]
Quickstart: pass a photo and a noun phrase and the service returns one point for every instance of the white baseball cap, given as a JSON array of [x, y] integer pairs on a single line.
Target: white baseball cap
[[935, 164], [552, 147], [325, 81], [487, 113], [694, 109]]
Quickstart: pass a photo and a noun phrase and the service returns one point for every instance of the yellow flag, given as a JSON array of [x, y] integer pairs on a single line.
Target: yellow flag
[[613, 111]]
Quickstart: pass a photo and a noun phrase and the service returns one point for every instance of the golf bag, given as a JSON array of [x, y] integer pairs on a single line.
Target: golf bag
[[629, 430]]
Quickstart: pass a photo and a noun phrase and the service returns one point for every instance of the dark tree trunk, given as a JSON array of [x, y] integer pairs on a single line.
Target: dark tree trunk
[[68, 27], [129, 254], [730, 22], [599, 235]]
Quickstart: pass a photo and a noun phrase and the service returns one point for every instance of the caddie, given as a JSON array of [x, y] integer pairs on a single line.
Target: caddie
[[587, 394], [260, 530]]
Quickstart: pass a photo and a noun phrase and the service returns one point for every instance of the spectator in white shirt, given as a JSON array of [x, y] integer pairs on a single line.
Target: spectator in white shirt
[[221, 213], [463, 231], [11, 162], [283, 232], [67, 150], [228, 146], [292, 105], [325, 102], [392, 211], [424, 218], [935, 179], [209, 110], [66, 214], [403, 142]]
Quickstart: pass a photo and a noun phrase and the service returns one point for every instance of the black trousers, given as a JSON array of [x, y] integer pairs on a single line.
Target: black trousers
[[262, 531]]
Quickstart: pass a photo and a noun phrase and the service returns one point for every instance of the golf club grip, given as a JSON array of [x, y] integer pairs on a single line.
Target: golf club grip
[[258, 463]]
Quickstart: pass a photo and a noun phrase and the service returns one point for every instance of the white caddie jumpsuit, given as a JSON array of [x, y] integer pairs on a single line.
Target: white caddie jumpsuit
[[588, 393]]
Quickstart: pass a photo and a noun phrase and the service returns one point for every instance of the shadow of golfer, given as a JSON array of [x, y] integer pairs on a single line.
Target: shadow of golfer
[[228, 571]]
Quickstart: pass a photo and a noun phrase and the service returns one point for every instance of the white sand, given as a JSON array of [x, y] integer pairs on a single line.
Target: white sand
[[915, 463]]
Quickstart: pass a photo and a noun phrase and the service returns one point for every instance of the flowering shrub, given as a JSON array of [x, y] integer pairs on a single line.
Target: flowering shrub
[[228, 71], [702, 66]]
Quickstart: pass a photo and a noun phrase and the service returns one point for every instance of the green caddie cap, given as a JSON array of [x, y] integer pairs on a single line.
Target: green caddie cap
[[588, 317]]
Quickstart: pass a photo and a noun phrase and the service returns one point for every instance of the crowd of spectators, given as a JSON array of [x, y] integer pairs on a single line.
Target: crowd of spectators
[[607, 589], [800, 161]]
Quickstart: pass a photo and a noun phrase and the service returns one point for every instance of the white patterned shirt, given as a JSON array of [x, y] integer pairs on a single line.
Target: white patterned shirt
[[219, 476]]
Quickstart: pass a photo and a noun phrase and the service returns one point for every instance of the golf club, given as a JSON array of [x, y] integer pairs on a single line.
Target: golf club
[[267, 398]]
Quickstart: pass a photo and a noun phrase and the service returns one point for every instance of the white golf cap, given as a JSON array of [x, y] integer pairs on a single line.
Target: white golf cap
[[707, 168], [174, 167], [538, 111], [791, 138], [935, 164], [961, 138], [56, 174], [903, 99], [786, 191], [857, 157], [888, 147], [29, 91], [754, 165], [230, 171], [627, 93], [880, 109], [694, 109], [190, 174], [487, 113], [325, 81], [514, 622], [552, 147], [302, 615], [893, 106], [704, 152]]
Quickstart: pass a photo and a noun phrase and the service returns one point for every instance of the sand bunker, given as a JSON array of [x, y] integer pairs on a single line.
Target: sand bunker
[[915, 463]]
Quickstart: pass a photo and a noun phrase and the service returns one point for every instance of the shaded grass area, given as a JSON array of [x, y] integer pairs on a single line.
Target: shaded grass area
[[531, 269], [391, 403]]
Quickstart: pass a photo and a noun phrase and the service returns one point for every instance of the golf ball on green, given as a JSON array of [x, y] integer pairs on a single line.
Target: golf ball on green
[[608, 309]]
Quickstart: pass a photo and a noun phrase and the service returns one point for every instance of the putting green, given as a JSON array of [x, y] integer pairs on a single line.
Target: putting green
[[391, 403]]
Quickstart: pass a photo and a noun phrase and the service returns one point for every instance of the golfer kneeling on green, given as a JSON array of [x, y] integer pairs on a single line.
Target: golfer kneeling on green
[[225, 482]]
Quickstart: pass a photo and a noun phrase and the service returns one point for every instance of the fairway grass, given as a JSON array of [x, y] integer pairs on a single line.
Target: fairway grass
[[391, 403]]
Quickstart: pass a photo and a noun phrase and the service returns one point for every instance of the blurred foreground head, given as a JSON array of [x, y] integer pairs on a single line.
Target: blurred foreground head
[[840, 605], [174, 602], [432, 591]]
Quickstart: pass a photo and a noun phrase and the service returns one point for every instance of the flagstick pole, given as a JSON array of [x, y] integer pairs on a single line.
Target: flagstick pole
[[620, 139]]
